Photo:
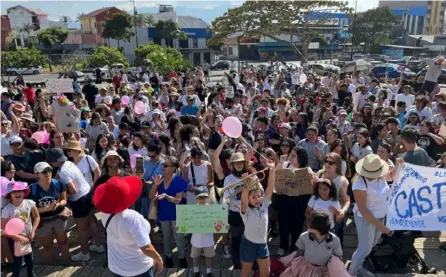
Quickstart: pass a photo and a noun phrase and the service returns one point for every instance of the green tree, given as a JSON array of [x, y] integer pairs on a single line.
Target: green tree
[[50, 37], [10, 39], [118, 27], [104, 55], [141, 20], [216, 42], [374, 27], [22, 58], [169, 30], [274, 18], [28, 28], [65, 19], [162, 59]]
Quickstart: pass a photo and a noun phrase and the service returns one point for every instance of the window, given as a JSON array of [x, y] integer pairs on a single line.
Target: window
[[195, 43], [82, 27], [184, 43]]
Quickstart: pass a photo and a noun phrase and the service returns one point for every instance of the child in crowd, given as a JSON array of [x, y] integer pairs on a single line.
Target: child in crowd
[[33, 155], [316, 249], [21, 208], [324, 198], [254, 213], [202, 243]]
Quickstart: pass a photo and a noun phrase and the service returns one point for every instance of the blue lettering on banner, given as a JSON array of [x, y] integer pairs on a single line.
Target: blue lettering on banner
[[408, 223], [440, 174], [442, 219], [408, 172], [417, 202]]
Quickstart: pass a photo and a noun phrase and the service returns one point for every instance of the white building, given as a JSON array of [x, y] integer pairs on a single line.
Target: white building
[[20, 16], [193, 48]]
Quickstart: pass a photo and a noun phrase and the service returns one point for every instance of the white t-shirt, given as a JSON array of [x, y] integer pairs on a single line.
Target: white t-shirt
[[319, 204], [5, 146], [424, 114], [87, 166], [98, 99], [127, 232], [295, 78], [408, 99], [70, 173], [23, 212], [377, 193], [230, 196]]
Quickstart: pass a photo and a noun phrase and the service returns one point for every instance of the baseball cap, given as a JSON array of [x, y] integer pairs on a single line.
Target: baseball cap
[[201, 191], [54, 155], [42, 166], [145, 124], [285, 125], [15, 140], [342, 112]]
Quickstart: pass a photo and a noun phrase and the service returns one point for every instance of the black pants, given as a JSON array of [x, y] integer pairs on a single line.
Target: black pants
[[236, 230], [291, 217], [428, 86], [17, 265]]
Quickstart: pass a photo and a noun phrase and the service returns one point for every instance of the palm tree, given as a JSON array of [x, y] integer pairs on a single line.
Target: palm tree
[[65, 19], [79, 15], [141, 20], [28, 28]]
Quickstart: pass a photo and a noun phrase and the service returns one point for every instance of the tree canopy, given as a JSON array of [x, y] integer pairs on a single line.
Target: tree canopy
[[104, 55], [141, 20], [118, 27], [169, 30], [216, 42], [52, 36], [274, 18], [22, 58], [162, 59], [374, 27]]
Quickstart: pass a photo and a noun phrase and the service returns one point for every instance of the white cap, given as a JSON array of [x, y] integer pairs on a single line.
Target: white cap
[[15, 139], [39, 167]]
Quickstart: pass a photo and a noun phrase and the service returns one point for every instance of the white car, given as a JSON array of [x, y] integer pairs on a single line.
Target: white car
[[23, 71]]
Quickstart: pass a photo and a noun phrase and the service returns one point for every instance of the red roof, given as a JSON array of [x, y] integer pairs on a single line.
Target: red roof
[[97, 12]]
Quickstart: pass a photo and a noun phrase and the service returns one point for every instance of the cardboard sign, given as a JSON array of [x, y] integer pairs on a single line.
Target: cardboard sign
[[293, 182], [202, 219], [60, 85], [418, 199], [66, 117], [229, 91]]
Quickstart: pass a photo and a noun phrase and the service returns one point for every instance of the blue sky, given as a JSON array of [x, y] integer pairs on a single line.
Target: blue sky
[[206, 10]]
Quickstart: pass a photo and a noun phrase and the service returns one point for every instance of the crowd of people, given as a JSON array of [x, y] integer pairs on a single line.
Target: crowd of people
[[350, 131]]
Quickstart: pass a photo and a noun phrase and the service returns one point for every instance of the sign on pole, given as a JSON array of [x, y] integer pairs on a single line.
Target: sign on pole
[[418, 199], [60, 86], [202, 219]]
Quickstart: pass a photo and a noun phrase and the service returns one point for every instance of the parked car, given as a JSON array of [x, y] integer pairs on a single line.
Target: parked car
[[221, 65], [441, 79], [379, 57], [398, 62], [23, 71], [380, 71], [320, 69]]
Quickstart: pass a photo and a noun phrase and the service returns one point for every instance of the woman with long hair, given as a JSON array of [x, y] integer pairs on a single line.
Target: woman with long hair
[[103, 145], [363, 147], [333, 171], [138, 145], [377, 135], [173, 124], [168, 190], [300, 129], [167, 148], [94, 129], [339, 148]]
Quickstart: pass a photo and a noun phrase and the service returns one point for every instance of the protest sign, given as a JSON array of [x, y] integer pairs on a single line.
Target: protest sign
[[202, 219], [60, 85], [293, 182], [229, 91], [418, 199]]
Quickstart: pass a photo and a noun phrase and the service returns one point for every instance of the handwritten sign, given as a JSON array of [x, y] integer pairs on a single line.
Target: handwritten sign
[[60, 85], [202, 219], [229, 91], [293, 182], [418, 199]]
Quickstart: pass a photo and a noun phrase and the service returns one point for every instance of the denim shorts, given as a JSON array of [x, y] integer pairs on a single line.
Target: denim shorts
[[250, 251]]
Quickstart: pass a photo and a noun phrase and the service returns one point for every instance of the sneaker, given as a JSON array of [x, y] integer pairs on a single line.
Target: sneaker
[[97, 249], [280, 252], [80, 257], [226, 252], [364, 272], [168, 262], [442, 248], [183, 263]]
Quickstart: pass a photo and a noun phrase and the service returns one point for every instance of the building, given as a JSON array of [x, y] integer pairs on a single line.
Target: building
[[92, 25], [32, 20], [193, 48], [245, 47], [6, 30], [418, 17]]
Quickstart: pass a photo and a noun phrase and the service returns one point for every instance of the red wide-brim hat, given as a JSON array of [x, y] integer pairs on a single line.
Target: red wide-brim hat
[[117, 194]]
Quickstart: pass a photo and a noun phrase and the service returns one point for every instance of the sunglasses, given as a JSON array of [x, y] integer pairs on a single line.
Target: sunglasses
[[5, 124], [329, 162]]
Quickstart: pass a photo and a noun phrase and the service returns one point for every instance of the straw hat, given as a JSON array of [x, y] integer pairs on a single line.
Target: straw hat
[[74, 145], [237, 157], [27, 116], [372, 166]]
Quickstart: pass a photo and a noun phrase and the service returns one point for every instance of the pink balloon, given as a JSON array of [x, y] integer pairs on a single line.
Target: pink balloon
[[39, 136], [125, 100], [139, 108], [14, 226], [133, 160], [232, 127], [4, 185]]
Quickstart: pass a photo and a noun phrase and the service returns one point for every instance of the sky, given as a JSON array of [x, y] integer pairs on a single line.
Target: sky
[[206, 10]]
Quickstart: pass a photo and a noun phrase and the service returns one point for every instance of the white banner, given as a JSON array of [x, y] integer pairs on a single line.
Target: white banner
[[229, 91], [60, 85], [418, 199]]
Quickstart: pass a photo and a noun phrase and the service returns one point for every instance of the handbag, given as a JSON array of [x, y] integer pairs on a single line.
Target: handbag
[[21, 249], [153, 210]]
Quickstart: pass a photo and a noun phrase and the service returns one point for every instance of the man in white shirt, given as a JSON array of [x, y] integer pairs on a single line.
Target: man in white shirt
[[130, 250], [432, 74], [406, 97], [357, 79]]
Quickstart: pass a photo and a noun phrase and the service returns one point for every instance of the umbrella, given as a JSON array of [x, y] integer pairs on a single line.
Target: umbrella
[[357, 65]]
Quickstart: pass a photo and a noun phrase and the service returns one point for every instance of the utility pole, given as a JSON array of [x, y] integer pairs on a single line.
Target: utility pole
[[134, 23], [354, 28]]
